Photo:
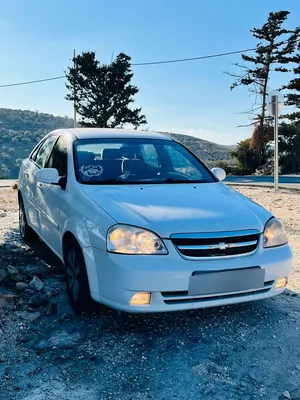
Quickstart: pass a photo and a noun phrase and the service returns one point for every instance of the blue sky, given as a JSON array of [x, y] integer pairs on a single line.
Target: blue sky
[[37, 39]]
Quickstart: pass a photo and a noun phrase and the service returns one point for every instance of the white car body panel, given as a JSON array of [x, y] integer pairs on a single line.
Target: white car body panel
[[168, 209], [159, 274], [88, 211]]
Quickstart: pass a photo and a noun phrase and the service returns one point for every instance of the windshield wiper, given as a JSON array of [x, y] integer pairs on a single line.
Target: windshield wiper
[[175, 180], [113, 182], [106, 182]]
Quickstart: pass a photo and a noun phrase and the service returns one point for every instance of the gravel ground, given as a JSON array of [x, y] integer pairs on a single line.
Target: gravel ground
[[247, 351]]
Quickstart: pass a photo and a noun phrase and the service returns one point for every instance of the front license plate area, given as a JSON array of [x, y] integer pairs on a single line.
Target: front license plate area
[[216, 282]]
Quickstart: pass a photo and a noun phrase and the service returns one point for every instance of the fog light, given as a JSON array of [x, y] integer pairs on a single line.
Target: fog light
[[281, 282], [140, 299]]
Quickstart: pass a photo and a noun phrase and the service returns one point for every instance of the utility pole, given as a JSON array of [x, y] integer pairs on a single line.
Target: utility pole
[[74, 105], [275, 105], [275, 114]]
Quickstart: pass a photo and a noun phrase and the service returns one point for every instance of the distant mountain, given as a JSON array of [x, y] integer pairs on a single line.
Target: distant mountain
[[209, 152], [21, 130], [24, 120]]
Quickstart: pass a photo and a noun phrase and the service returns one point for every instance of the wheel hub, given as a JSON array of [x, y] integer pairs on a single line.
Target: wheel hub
[[22, 221], [73, 271]]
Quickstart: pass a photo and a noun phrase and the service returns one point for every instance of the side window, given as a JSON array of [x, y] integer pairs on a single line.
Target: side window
[[59, 157], [150, 155], [44, 151], [181, 163], [35, 151]]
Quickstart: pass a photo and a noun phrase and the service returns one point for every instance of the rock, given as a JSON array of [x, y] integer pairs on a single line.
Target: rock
[[2, 214], [30, 291], [6, 295], [298, 367], [36, 284], [253, 375], [20, 286], [51, 309], [38, 300], [61, 317], [3, 275], [286, 395], [29, 316], [14, 273], [3, 303], [59, 339], [15, 185]]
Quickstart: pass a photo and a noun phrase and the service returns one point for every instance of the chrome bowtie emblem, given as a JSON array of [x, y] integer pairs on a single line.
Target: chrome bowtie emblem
[[220, 246]]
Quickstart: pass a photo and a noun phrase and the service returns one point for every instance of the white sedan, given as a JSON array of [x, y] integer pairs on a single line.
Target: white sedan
[[142, 225]]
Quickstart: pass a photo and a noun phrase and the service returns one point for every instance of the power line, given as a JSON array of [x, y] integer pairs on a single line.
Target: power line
[[140, 64], [29, 82], [194, 58]]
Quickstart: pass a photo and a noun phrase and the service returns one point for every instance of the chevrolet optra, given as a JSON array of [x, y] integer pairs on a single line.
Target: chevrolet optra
[[142, 225]]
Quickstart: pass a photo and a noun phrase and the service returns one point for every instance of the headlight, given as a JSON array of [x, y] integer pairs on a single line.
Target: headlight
[[274, 234], [128, 239]]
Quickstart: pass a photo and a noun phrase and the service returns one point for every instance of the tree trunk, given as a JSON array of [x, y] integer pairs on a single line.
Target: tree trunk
[[264, 102]]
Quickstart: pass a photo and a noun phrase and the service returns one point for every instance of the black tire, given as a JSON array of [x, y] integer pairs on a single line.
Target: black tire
[[77, 280], [26, 232]]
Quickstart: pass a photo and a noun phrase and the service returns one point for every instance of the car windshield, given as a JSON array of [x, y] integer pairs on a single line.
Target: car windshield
[[136, 161]]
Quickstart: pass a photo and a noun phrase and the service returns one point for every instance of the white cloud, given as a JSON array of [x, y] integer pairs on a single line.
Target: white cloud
[[213, 136]]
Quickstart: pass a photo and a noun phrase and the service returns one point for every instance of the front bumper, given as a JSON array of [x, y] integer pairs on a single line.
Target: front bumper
[[115, 278]]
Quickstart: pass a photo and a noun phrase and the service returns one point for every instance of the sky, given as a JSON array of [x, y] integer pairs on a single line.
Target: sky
[[37, 39]]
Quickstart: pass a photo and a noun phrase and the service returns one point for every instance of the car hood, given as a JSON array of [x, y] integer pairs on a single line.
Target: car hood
[[179, 208]]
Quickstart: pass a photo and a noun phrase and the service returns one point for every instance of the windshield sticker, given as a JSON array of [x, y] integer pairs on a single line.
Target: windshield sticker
[[91, 170]]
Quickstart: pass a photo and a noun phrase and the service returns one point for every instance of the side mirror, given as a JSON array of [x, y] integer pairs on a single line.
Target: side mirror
[[219, 173], [48, 175]]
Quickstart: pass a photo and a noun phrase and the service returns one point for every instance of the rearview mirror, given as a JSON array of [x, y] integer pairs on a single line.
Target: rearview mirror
[[48, 175], [219, 173]]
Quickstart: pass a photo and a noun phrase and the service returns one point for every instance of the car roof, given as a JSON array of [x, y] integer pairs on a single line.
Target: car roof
[[92, 133]]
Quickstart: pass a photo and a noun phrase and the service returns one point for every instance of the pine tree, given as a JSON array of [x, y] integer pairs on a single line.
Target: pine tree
[[289, 147], [273, 50], [103, 93], [293, 97]]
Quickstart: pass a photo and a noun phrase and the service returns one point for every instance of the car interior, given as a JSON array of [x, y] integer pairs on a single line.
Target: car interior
[[124, 163]]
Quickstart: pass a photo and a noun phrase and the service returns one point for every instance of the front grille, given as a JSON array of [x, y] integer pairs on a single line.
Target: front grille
[[183, 297], [216, 244]]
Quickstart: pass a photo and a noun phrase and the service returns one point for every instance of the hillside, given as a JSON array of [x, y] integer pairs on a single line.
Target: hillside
[[21, 130], [209, 152]]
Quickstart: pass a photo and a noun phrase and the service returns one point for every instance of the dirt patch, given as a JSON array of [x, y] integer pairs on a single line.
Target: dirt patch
[[248, 351], [285, 205]]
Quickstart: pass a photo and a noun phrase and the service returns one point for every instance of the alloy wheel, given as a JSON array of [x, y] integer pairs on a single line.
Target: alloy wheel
[[73, 271]]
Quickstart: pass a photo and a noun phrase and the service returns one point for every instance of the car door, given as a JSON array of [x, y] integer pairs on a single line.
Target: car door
[[37, 160], [52, 197]]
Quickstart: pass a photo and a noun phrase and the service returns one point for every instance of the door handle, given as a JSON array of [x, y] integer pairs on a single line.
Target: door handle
[[26, 172]]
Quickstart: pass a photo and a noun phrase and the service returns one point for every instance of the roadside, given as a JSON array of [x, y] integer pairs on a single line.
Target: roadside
[[249, 351], [285, 181], [6, 183]]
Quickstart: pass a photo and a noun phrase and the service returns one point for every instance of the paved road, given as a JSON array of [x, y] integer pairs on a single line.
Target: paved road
[[290, 181], [6, 183]]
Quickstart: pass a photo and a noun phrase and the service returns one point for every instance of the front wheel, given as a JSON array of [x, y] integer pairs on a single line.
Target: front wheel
[[77, 280], [26, 232]]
